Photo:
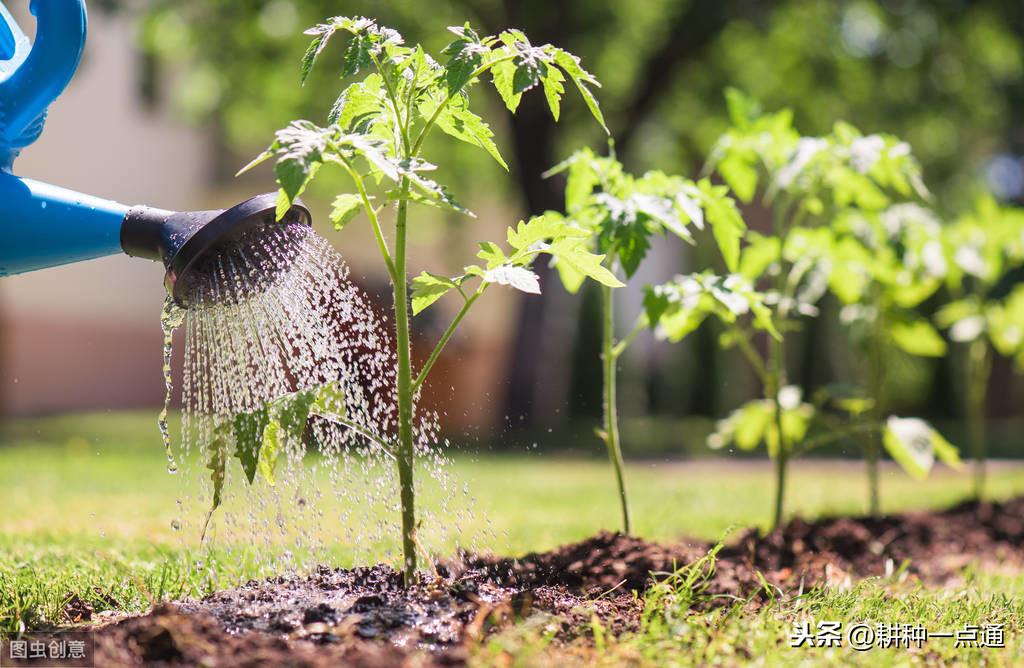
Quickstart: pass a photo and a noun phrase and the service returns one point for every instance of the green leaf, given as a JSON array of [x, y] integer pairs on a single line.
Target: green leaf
[[760, 253], [299, 149], [679, 323], [329, 402], [458, 121], [572, 253], [346, 206], [945, 451], [540, 229], [581, 181], [427, 288], [918, 338], [217, 464], [502, 74], [529, 72], [359, 105], [726, 222], [631, 246], [655, 305], [267, 461], [357, 55], [292, 412], [743, 109], [740, 174], [491, 254], [571, 65], [248, 431], [752, 424], [553, 90], [464, 57], [316, 46]]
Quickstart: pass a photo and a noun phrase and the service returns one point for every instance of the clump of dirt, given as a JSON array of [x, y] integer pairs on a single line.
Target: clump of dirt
[[365, 617]]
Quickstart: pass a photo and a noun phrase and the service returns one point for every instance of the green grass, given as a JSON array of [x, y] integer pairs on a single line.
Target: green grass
[[88, 505]]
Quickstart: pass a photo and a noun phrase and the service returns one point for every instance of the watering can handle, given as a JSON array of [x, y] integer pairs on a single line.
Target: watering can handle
[[31, 77]]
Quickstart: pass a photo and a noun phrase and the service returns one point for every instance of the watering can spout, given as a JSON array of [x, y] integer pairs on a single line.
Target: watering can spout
[[43, 225]]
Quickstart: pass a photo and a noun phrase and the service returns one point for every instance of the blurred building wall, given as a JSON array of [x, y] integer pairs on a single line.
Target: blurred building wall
[[87, 336]]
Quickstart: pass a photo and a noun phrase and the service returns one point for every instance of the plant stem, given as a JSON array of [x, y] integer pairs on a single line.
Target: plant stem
[[781, 462], [778, 377], [872, 447], [871, 453], [979, 364], [611, 418], [429, 364], [371, 213], [406, 452]]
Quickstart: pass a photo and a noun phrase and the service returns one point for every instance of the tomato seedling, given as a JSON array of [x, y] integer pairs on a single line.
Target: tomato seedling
[[375, 134], [621, 213]]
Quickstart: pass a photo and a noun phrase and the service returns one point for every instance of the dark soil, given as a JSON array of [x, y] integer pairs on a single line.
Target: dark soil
[[364, 617]]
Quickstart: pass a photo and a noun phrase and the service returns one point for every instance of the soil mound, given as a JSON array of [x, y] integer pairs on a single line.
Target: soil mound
[[365, 617]]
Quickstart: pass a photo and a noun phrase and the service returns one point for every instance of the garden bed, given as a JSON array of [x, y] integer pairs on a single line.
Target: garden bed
[[365, 617]]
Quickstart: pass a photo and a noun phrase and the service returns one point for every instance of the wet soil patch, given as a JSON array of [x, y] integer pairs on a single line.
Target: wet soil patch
[[365, 617]]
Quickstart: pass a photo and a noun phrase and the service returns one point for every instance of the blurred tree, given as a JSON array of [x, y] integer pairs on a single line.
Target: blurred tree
[[944, 73]]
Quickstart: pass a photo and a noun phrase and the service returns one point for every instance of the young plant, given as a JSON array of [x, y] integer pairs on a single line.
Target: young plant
[[979, 248], [806, 183], [621, 213], [375, 134], [881, 267]]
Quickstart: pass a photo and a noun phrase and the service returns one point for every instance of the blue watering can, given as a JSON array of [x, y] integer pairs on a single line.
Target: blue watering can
[[43, 225]]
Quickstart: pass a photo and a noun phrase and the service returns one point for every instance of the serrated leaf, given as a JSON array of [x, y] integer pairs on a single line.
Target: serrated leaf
[[570, 64], [553, 90], [540, 229], [655, 305], [292, 412], [520, 278], [313, 51], [529, 72], [572, 253], [502, 74], [458, 121], [359, 105], [357, 55], [742, 108], [217, 464], [427, 288], [346, 206], [631, 246], [464, 57], [491, 254], [248, 432], [299, 149]]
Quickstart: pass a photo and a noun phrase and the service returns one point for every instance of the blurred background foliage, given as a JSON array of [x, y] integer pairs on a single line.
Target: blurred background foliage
[[946, 75]]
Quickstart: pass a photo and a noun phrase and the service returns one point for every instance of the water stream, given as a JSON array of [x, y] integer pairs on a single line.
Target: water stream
[[274, 317]]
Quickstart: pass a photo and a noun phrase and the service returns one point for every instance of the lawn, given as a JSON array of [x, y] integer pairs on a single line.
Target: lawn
[[88, 507]]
